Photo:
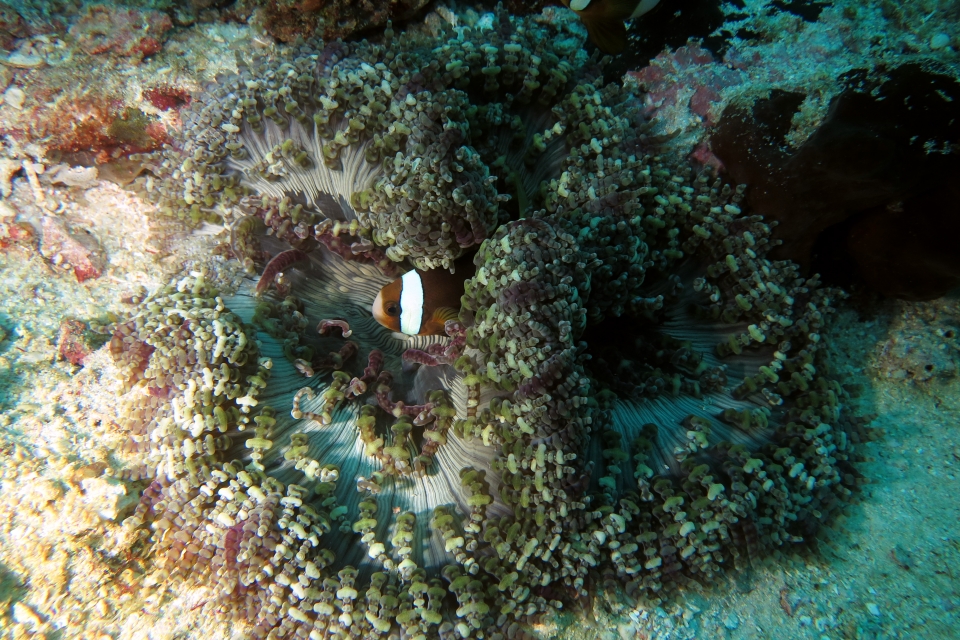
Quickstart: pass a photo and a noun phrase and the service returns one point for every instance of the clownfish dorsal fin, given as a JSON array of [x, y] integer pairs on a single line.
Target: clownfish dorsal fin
[[643, 7], [442, 314], [621, 9], [435, 325], [609, 34]]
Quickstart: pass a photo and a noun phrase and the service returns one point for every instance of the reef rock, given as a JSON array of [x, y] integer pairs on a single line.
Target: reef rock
[[287, 20], [127, 32]]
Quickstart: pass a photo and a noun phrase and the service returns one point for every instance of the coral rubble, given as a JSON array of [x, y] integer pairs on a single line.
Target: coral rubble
[[322, 488]]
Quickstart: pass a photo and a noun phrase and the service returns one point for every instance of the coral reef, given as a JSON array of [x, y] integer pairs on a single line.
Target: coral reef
[[924, 345], [73, 342], [782, 125], [63, 117], [636, 396], [16, 233], [34, 17], [166, 98]]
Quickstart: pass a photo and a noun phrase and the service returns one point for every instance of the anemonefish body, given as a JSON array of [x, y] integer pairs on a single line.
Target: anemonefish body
[[419, 303], [604, 19]]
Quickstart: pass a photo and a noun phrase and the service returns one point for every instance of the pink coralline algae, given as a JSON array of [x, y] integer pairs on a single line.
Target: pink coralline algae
[[125, 32], [167, 98], [79, 251], [72, 346], [20, 234], [671, 76]]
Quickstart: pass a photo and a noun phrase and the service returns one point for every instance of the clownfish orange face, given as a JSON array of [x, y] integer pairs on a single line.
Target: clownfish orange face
[[419, 303], [386, 307]]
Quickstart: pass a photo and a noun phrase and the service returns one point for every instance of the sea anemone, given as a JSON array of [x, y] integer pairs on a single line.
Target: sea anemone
[[632, 394]]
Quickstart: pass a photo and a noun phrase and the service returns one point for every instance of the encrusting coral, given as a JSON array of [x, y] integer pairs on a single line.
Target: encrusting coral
[[326, 489]]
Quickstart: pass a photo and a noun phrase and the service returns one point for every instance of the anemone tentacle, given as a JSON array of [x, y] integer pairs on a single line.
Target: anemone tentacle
[[638, 398]]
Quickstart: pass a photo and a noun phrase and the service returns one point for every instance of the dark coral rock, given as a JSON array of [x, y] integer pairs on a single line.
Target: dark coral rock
[[883, 145], [908, 250], [809, 10], [524, 7], [12, 26]]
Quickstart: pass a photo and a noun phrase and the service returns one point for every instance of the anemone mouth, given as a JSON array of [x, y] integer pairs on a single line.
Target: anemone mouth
[[328, 287], [527, 151], [660, 380]]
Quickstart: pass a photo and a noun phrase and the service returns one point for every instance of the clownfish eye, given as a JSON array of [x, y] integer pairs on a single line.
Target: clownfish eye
[[393, 309]]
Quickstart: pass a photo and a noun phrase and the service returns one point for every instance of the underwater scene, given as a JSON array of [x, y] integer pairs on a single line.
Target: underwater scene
[[437, 319]]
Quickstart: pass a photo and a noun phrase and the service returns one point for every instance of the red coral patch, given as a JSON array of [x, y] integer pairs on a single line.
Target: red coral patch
[[166, 98], [71, 344]]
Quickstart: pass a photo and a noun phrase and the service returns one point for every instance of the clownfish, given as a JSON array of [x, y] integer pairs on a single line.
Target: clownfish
[[604, 20], [419, 303]]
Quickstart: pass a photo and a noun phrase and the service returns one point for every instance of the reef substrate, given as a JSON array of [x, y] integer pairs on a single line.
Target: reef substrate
[[632, 397]]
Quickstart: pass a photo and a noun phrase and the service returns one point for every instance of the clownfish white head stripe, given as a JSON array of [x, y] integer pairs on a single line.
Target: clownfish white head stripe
[[411, 303]]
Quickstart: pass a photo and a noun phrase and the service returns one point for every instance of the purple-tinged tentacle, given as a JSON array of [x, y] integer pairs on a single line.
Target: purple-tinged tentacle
[[326, 325], [277, 265]]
